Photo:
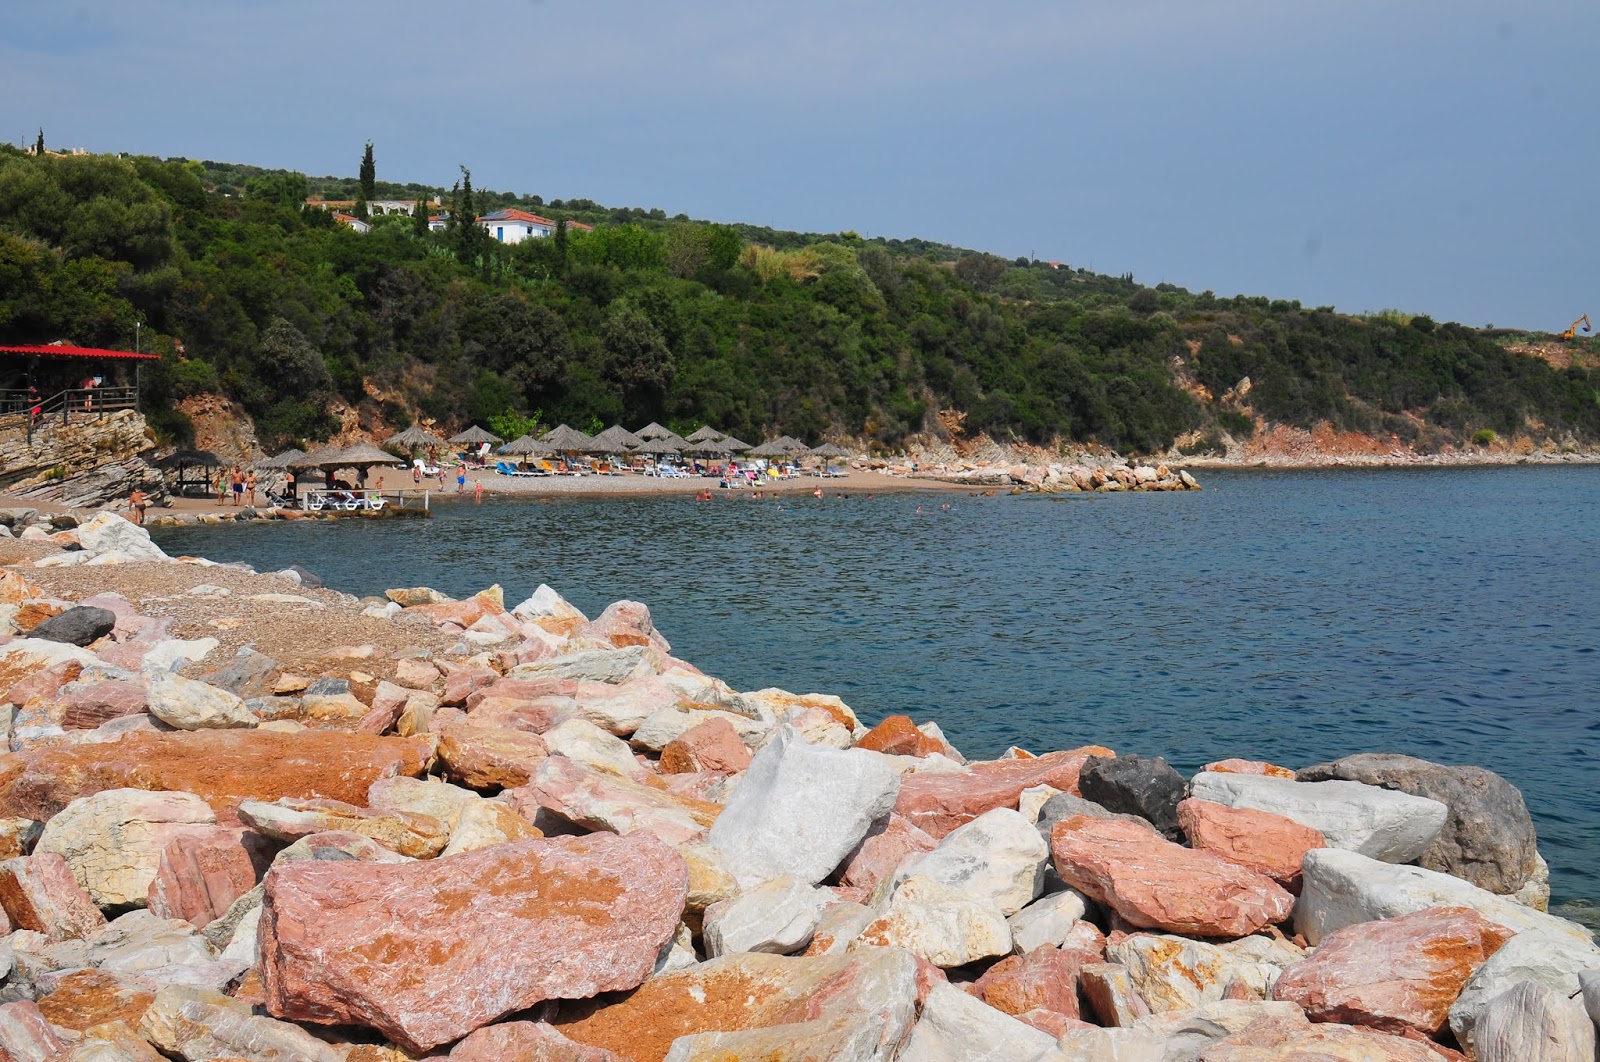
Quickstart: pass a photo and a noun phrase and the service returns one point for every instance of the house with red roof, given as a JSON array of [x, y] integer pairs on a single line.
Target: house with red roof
[[511, 225]]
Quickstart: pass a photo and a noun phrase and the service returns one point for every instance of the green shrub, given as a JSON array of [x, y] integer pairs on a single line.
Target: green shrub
[[1236, 423], [1483, 437]]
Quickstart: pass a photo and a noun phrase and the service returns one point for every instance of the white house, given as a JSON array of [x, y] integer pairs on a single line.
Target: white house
[[513, 226], [353, 222]]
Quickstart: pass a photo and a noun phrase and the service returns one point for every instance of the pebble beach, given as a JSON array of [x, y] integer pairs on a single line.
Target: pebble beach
[[245, 816]]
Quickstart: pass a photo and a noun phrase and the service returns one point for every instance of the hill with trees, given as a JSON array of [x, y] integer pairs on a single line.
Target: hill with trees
[[250, 294]]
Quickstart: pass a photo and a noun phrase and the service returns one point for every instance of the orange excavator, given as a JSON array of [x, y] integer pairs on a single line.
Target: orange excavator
[[1582, 324]]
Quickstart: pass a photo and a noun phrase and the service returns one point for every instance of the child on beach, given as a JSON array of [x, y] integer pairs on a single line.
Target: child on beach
[[477, 490]]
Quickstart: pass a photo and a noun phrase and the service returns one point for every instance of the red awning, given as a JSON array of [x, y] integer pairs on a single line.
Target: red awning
[[51, 350]]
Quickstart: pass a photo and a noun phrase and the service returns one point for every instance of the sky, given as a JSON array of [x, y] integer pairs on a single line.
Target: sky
[[1435, 156]]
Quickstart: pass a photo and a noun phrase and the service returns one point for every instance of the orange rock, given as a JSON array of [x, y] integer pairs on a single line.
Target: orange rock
[[940, 801], [710, 746], [881, 852], [85, 998], [199, 877], [1248, 767], [1046, 978], [1155, 884], [489, 756], [1396, 973], [222, 766], [1266, 843], [898, 736], [14, 589], [1290, 1039], [39, 893]]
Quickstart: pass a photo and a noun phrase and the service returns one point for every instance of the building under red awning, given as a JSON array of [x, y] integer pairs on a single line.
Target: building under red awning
[[52, 350]]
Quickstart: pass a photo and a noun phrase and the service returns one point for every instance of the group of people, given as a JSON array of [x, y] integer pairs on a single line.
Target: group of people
[[240, 486]]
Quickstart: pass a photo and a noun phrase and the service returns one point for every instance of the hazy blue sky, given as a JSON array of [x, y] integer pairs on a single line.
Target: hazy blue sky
[[1441, 156]]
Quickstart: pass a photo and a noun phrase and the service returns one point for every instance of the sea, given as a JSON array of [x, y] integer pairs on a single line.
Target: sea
[[1450, 614]]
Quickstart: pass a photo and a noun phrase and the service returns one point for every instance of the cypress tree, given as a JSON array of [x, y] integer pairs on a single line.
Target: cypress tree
[[369, 176], [419, 217], [466, 220], [559, 251], [38, 146]]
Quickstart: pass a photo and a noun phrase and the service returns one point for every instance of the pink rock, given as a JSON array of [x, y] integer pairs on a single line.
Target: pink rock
[[89, 704], [622, 624], [898, 736], [940, 801], [43, 684], [1155, 884], [523, 690], [710, 746], [1234, 766], [534, 715], [1049, 1021], [199, 877], [880, 853], [598, 801], [1282, 1039], [1046, 978], [527, 1041], [427, 952], [488, 756], [1266, 843], [1396, 973], [388, 701], [25, 1035], [39, 893], [416, 674], [460, 680]]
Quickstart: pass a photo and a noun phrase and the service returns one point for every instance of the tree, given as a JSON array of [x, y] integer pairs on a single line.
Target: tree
[[38, 145], [369, 176], [562, 248], [419, 218], [469, 234]]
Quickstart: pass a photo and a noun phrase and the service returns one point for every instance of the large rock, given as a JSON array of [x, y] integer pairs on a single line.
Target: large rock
[[1155, 884], [713, 745], [778, 917], [1185, 1033], [113, 840], [1049, 920], [598, 801], [1531, 1023], [25, 1035], [1135, 785], [189, 705], [88, 703], [850, 1008], [955, 1027], [288, 820], [222, 766], [194, 1023], [887, 845], [1173, 973], [1045, 978], [1589, 983], [428, 952], [1282, 1038], [490, 757], [85, 998], [38, 892], [526, 1041], [78, 625], [998, 857], [801, 810], [200, 876], [939, 924], [1394, 827], [1266, 843], [22, 658], [938, 802], [110, 533], [1488, 836], [582, 742], [1554, 962], [1341, 888], [1399, 973]]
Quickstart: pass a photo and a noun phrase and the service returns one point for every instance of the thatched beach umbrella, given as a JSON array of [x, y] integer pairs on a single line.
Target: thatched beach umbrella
[[827, 450], [614, 440], [475, 436], [790, 444], [414, 437], [281, 461], [525, 446], [769, 449], [736, 446], [704, 433], [182, 460], [564, 438], [653, 431]]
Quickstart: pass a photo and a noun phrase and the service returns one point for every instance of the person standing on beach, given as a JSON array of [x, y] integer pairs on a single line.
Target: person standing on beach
[[461, 477], [477, 490], [236, 482], [136, 502], [250, 487]]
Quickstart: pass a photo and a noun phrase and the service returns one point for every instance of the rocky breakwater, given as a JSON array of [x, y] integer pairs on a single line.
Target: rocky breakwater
[[1054, 478], [525, 834]]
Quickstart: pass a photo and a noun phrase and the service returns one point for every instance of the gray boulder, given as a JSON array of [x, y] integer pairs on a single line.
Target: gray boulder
[[249, 674], [1589, 981], [1488, 837], [79, 625], [1135, 785]]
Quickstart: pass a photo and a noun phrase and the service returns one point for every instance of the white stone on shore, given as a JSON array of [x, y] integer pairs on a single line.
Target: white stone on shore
[[778, 916], [1047, 920], [940, 924], [112, 840], [170, 654], [1553, 961], [189, 705], [955, 1027], [110, 533], [1342, 888], [582, 741], [1532, 1023], [590, 665], [1382, 823], [196, 1023], [998, 856], [800, 810], [665, 725], [1185, 1033], [1589, 981]]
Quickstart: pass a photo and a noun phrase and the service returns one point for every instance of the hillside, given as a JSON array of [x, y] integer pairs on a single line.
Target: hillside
[[650, 317]]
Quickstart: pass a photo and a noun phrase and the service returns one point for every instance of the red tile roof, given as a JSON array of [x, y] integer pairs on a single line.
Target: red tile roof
[[61, 350]]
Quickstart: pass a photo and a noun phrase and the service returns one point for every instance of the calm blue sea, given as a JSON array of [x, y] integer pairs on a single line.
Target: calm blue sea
[[1296, 617]]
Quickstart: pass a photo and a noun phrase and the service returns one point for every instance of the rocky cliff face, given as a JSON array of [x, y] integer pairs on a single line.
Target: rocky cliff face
[[85, 462]]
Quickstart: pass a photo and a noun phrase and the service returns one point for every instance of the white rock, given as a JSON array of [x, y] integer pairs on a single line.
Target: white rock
[[678, 954], [70, 559], [840, 924], [581, 740], [1382, 823], [998, 856], [778, 917], [189, 705], [1113, 1045], [955, 1027], [1342, 888], [1589, 981], [1033, 800], [110, 533], [24, 656], [112, 840], [1532, 1023], [1185, 1033], [194, 1023], [588, 665], [940, 924], [1173, 973], [173, 653], [800, 810], [1554, 962], [545, 603], [1047, 920], [670, 723]]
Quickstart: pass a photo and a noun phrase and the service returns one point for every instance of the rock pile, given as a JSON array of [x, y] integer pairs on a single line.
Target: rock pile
[[1053, 478], [556, 840]]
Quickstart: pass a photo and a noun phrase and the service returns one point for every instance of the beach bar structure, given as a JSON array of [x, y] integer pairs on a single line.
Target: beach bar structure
[[53, 382]]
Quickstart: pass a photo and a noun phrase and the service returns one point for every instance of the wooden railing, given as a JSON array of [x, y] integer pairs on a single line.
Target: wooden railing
[[61, 407]]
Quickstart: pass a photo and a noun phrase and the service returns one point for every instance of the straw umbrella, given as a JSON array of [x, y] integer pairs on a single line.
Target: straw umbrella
[[281, 460], [791, 444], [475, 436], [653, 431], [736, 446], [362, 456], [614, 440], [412, 438], [827, 450], [181, 460], [564, 438], [704, 433], [769, 449], [526, 446]]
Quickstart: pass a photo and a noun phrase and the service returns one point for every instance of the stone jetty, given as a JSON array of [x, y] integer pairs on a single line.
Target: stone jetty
[[242, 817], [1102, 476]]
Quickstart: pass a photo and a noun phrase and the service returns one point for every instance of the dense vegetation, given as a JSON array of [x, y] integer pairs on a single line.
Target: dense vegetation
[[648, 317]]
